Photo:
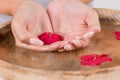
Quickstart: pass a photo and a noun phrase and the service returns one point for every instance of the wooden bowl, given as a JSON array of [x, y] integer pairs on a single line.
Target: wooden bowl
[[21, 64]]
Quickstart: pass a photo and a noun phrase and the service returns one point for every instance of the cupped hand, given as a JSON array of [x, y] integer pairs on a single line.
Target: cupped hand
[[29, 21], [75, 21]]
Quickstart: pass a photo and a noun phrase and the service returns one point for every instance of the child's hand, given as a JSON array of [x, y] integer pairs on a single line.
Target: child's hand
[[75, 20]]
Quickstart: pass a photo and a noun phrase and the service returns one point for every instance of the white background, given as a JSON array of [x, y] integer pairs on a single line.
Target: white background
[[112, 4]]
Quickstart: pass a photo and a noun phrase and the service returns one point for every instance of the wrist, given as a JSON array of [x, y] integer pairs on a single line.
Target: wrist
[[10, 6]]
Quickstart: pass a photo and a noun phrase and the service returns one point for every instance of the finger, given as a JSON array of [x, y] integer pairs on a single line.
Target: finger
[[20, 31], [52, 47], [63, 44], [47, 24], [35, 41], [88, 35], [42, 24], [61, 50], [34, 47], [23, 45], [85, 42], [76, 43], [68, 47]]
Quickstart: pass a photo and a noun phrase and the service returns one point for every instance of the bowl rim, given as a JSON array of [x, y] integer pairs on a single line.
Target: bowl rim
[[4, 63]]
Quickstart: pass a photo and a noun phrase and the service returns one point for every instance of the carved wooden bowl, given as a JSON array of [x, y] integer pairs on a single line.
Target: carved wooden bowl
[[21, 64]]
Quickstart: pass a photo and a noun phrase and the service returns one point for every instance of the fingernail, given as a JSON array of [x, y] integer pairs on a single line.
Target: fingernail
[[85, 36], [90, 34], [34, 41], [75, 41], [64, 43], [68, 47], [61, 50], [78, 38]]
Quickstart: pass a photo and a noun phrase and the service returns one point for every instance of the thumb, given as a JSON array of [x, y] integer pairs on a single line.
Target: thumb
[[35, 41], [28, 38], [23, 35]]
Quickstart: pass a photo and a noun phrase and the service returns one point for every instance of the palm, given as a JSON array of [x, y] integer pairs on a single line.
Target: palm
[[73, 19], [29, 21]]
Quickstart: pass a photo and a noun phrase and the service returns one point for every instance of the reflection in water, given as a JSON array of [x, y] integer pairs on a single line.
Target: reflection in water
[[103, 42], [48, 60]]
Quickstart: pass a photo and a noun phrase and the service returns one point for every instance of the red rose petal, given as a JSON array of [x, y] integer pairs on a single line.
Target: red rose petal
[[85, 63], [90, 63], [118, 37], [117, 33], [104, 55], [105, 59], [88, 57], [95, 63], [49, 38], [94, 60]]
